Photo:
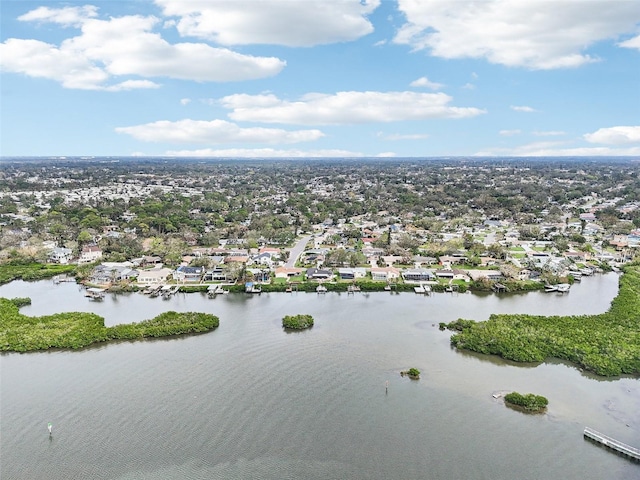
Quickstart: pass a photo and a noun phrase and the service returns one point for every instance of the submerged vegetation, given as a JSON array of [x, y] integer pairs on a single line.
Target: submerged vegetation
[[21, 333], [297, 322], [607, 344], [529, 402]]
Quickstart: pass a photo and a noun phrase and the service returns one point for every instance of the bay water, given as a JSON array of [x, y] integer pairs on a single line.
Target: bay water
[[252, 401]]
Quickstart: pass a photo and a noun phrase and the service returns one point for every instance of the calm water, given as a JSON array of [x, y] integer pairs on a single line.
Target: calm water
[[249, 401]]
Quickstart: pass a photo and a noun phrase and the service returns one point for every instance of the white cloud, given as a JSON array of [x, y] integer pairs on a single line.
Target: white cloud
[[185, 101], [67, 16], [345, 108], [558, 149], [536, 34], [263, 153], [509, 133], [214, 132], [550, 133], [399, 136], [469, 86], [614, 135], [276, 22], [125, 46], [522, 108], [426, 83], [631, 43]]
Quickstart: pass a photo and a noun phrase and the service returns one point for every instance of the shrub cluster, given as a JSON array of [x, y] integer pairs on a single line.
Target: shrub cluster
[[529, 401], [297, 322]]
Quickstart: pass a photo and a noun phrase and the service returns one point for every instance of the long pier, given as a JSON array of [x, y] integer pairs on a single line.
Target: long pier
[[612, 443]]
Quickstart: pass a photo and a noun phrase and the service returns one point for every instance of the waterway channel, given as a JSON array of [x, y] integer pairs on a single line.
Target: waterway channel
[[249, 400]]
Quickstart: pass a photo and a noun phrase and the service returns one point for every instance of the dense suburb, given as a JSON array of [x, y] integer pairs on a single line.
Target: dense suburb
[[607, 344], [21, 333]]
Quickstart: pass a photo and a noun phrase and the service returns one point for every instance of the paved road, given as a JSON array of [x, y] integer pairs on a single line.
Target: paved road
[[296, 250]]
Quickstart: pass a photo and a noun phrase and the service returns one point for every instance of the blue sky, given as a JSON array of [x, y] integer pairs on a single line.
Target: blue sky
[[296, 78]]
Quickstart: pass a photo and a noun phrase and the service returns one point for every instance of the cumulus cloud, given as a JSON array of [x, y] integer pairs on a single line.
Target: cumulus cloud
[[66, 16], [345, 108], [214, 132], [124, 46], [522, 108], [276, 22], [534, 34], [426, 83], [615, 135], [263, 153], [631, 43], [185, 101]]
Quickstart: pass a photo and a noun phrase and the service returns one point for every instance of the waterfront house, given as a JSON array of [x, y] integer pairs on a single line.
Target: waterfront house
[[318, 274], [188, 274], [154, 276], [384, 274], [216, 274], [60, 255], [287, 272], [418, 275], [89, 254], [352, 273]]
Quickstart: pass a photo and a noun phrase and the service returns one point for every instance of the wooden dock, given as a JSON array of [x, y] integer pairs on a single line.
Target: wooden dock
[[612, 443]]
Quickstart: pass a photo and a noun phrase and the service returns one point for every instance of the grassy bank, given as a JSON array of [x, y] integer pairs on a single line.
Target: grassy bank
[[607, 344], [21, 333]]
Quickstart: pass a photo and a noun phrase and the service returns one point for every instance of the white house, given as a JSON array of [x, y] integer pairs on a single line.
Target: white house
[[154, 276], [60, 255], [90, 254], [382, 274]]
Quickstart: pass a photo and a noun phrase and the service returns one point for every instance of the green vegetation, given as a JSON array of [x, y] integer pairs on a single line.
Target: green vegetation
[[21, 333], [607, 344], [529, 402], [21, 301], [297, 322], [412, 373], [31, 271]]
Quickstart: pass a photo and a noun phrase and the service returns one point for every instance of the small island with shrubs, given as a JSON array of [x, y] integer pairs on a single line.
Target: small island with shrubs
[[529, 402], [74, 330], [412, 373], [297, 322]]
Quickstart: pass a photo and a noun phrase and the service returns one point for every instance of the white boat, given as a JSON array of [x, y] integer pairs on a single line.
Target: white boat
[[321, 289], [95, 293], [563, 287]]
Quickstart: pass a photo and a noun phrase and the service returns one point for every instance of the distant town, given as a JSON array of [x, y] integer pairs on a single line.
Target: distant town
[[453, 224]]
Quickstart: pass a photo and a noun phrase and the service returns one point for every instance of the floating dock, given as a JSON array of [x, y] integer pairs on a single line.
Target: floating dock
[[612, 443]]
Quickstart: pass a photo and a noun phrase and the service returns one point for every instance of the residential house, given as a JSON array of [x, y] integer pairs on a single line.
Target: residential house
[[318, 274], [216, 274], [188, 274], [352, 273], [154, 276], [418, 275], [89, 254], [384, 274], [454, 274], [287, 272], [60, 255]]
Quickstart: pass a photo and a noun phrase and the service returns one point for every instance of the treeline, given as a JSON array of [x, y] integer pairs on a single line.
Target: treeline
[[606, 344], [74, 330]]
